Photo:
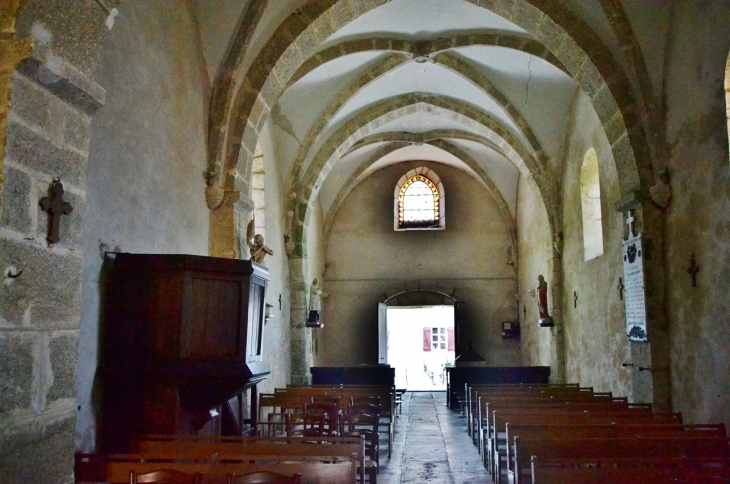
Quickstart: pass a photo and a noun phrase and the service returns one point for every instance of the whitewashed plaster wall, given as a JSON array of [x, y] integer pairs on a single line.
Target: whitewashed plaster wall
[[365, 258], [276, 331], [595, 329], [534, 253], [146, 160]]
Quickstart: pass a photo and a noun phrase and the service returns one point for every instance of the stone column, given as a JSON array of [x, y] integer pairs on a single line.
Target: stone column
[[557, 333], [651, 386]]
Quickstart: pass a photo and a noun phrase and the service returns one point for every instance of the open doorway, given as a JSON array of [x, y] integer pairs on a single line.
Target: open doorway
[[420, 345]]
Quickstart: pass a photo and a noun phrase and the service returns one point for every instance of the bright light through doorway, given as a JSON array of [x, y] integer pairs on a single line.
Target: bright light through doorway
[[421, 346]]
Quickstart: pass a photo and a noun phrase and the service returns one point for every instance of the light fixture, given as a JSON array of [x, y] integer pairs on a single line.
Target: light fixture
[[268, 312]]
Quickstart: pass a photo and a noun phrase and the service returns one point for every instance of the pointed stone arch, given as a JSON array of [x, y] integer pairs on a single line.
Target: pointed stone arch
[[301, 34]]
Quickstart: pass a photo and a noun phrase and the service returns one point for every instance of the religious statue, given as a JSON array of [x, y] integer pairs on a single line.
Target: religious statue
[[542, 303], [315, 301], [256, 244]]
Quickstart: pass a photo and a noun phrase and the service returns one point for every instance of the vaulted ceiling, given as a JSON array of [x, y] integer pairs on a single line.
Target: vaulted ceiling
[[441, 80]]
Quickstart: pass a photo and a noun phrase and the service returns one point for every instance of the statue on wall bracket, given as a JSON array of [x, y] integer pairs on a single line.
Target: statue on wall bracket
[[545, 321], [256, 244], [315, 305]]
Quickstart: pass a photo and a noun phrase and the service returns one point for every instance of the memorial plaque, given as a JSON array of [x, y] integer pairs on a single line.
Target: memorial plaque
[[635, 297]]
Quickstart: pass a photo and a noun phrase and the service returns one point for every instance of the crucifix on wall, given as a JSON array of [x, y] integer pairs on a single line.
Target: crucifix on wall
[[56, 206]]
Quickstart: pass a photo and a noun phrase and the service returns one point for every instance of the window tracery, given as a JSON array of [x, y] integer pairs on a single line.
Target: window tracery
[[419, 201]]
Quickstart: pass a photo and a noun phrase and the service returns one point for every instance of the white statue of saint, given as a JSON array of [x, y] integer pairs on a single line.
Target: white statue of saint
[[315, 301]]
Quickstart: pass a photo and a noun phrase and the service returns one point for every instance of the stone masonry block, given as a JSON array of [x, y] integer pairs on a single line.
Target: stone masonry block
[[49, 288], [503, 8], [29, 149], [589, 78], [15, 210], [323, 27], [604, 104], [19, 454], [71, 227], [342, 13], [29, 101], [16, 372], [571, 55], [63, 351], [307, 43], [550, 34], [615, 128], [527, 16], [76, 130], [287, 65]]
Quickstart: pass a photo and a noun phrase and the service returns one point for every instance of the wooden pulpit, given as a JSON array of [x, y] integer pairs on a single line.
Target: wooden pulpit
[[182, 336]]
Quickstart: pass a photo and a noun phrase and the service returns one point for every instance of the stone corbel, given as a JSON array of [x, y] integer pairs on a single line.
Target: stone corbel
[[661, 192]]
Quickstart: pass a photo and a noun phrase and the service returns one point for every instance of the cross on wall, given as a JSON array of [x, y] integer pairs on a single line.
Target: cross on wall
[[56, 206]]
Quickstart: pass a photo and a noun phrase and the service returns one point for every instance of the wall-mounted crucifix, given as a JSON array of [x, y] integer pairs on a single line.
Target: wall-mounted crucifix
[[575, 299], [693, 269], [56, 206]]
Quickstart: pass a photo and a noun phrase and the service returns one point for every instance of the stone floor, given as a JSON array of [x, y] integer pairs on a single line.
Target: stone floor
[[431, 445]]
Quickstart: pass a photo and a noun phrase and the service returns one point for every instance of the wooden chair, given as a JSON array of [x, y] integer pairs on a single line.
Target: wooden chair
[[366, 425], [165, 476], [264, 478]]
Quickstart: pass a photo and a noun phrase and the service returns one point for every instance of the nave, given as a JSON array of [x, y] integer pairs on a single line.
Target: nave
[[431, 445]]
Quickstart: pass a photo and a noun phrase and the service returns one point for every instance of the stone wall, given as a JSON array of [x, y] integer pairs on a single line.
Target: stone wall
[[365, 258], [698, 217], [52, 100]]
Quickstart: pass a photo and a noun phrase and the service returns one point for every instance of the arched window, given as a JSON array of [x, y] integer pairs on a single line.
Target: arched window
[[258, 190], [419, 201], [590, 195]]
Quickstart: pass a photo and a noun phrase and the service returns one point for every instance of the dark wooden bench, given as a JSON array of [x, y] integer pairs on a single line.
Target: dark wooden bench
[[116, 468], [655, 448], [628, 471], [284, 448]]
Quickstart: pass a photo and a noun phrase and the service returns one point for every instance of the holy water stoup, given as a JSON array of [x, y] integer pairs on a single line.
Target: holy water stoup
[[635, 296]]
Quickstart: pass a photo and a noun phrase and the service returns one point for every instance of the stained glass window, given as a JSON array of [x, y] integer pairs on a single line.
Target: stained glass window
[[418, 203]]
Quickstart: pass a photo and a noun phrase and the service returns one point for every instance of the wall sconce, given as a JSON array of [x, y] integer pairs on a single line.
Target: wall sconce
[[268, 312]]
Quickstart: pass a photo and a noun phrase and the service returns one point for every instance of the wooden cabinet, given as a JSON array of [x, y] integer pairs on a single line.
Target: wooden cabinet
[[182, 335]]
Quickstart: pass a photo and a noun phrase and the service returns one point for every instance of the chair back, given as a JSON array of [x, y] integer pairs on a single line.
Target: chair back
[[264, 477], [165, 476]]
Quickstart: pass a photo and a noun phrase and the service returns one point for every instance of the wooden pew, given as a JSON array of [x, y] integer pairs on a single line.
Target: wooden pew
[[565, 402], [628, 471], [473, 393], [597, 431], [284, 448], [497, 428], [656, 448], [116, 468]]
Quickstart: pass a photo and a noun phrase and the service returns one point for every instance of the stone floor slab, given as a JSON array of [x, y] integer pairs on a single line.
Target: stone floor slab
[[431, 445]]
